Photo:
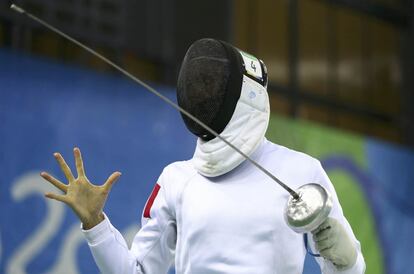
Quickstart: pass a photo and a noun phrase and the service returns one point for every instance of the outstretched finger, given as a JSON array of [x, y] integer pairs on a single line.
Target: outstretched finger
[[111, 180], [79, 162], [65, 168], [57, 197], [54, 181]]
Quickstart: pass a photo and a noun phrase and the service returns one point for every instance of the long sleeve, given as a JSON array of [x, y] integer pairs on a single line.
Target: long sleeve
[[152, 250], [326, 266], [110, 250]]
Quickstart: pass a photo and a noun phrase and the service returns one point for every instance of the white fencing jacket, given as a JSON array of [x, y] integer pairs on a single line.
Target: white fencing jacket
[[232, 223]]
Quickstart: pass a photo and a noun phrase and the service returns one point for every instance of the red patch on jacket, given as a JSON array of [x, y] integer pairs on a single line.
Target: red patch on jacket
[[150, 201]]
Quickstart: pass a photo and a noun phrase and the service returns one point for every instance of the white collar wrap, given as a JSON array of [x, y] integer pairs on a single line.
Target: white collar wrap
[[246, 130]]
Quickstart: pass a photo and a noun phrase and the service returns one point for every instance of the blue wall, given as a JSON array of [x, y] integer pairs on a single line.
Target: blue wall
[[391, 170]]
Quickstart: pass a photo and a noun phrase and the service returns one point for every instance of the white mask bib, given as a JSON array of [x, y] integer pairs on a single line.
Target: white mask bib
[[245, 131]]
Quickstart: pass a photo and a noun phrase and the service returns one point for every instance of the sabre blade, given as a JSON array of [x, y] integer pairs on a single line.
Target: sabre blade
[[155, 92]]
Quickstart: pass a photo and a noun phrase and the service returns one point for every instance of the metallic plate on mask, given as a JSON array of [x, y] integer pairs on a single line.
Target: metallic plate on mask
[[307, 213]]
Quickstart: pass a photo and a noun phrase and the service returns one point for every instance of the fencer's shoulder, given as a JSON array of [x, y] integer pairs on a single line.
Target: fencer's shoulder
[[179, 171], [174, 179], [280, 152]]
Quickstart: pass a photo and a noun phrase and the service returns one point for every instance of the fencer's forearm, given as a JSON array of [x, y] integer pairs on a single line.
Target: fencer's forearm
[[110, 250]]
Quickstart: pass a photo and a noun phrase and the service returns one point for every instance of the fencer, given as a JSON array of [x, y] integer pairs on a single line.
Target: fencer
[[217, 213]]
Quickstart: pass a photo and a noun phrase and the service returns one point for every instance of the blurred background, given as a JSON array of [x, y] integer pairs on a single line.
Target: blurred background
[[341, 89]]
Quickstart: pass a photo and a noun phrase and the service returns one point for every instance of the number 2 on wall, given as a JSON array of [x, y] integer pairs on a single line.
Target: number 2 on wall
[[32, 184]]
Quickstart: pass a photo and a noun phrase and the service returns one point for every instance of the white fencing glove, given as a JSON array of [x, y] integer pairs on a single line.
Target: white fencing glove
[[334, 244]]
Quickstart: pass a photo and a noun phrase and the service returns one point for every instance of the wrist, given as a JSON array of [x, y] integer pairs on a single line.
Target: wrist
[[92, 221]]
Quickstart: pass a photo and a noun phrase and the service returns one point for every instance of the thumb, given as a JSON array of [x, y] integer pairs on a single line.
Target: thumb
[[111, 180]]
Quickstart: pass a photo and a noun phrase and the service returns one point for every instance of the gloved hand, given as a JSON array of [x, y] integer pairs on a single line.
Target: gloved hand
[[334, 244]]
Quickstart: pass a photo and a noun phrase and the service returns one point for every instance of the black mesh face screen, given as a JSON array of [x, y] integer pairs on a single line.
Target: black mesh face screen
[[202, 84], [210, 83]]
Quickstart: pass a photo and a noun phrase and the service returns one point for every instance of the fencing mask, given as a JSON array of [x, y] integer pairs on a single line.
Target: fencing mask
[[226, 89]]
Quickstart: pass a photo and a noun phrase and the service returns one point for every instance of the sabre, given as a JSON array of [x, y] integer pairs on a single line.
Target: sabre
[[307, 207]]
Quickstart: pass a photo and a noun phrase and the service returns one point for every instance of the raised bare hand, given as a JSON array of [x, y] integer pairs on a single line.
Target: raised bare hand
[[86, 199]]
